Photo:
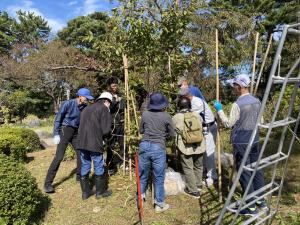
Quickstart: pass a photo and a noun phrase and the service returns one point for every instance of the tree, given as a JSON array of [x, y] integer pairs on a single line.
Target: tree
[[7, 32], [79, 28], [31, 29], [56, 68]]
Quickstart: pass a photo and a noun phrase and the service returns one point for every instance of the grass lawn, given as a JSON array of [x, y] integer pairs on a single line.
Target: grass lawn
[[67, 208]]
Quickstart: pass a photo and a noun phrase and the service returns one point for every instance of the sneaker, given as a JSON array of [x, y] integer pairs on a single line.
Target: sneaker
[[262, 204], [249, 212], [48, 189], [159, 209], [192, 194]]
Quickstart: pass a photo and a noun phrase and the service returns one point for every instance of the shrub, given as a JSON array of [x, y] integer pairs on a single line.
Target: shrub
[[21, 202], [16, 141], [70, 153]]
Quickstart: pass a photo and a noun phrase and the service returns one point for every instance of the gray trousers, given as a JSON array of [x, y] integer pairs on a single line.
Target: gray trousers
[[192, 166]]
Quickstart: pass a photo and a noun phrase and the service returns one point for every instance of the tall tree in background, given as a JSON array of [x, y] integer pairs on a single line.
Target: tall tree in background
[[7, 32], [79, 28]]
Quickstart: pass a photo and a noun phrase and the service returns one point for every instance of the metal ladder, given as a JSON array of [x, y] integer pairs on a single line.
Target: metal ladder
[[274, 187]]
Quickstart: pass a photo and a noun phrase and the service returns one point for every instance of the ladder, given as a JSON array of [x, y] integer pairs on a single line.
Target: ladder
[[278, 160]]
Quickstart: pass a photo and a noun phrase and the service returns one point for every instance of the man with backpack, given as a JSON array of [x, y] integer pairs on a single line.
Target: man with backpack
[[210, 132], [191, 145]]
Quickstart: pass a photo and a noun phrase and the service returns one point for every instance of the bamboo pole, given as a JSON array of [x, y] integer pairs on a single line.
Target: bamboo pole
[[125, 62], [263, 64], [218, 135], [169, 64], [129, 132], [254, 62], [135, 114]]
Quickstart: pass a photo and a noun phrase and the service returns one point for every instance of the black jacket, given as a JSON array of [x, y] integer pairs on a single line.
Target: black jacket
[[95, 123]]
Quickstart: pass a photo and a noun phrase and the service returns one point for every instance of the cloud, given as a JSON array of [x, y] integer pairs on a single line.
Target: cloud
[[72, 3], [54, 23], [91, 6]]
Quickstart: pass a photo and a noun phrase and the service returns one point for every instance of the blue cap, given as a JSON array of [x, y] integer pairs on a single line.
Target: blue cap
[[85, 93], [157, 101]]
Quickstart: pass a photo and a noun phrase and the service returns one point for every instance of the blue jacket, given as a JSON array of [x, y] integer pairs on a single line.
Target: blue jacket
[[68, 115], [196, 92]]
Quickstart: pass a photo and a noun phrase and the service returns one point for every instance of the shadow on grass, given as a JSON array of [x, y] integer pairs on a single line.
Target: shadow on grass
[[28, 159], [65, 178], [45, 204]]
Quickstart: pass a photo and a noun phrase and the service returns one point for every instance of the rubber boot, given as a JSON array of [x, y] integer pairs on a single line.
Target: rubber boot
[[85, 187], [101, 183]]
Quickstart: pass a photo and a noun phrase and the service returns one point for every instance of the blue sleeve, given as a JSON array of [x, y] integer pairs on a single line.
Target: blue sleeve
[[196, 92], [60, 117]]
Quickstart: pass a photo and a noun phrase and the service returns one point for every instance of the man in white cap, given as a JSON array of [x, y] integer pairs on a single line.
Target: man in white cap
[[242, 120], [95, 126]]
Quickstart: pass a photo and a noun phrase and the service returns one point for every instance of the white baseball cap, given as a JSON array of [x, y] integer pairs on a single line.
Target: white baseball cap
[[106, 95], [242, 79]]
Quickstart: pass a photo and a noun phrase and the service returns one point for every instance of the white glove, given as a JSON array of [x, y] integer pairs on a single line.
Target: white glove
[[56, 139]]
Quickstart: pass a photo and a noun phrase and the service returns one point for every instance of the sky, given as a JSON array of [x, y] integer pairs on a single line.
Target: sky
[[57, 12]]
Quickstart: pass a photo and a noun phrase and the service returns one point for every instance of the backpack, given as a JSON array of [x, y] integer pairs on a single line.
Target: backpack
[[192, 129]]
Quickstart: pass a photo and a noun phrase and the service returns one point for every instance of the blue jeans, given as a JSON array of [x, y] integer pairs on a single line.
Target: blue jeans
[[258, 181], [152, 157], [86, 159]]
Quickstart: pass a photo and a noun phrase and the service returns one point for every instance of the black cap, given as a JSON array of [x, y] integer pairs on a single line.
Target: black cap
[[184, 103], [112, 80]]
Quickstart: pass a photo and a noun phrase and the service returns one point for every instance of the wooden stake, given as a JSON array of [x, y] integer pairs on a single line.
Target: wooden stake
[[218, 135], [125, 63], [169, 64], [254, 63], [263, 64], [135, 113]]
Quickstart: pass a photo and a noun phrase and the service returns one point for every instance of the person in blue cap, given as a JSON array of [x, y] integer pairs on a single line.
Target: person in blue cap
[[243, 116], [156, 126], [65, 131]]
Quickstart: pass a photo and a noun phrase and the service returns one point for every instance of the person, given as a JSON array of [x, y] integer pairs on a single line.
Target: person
[[117, 108], [95, 126], [242, 120], [184, 84], [65, 131], [210, 132], [191, 154], [156, 125]]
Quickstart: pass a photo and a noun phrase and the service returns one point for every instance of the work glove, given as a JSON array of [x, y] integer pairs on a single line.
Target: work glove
[[56, 139], [218, 106]]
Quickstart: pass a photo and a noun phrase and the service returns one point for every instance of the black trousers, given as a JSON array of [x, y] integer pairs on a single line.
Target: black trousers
[[258, 181], [67, 135], [113, 159]]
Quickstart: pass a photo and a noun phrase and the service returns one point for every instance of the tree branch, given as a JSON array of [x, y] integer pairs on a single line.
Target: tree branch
[[74, 67]]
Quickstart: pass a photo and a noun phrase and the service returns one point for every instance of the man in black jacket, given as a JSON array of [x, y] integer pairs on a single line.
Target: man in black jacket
[[95, 125]]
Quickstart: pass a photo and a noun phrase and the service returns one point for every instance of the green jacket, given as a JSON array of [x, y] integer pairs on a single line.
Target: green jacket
[[187, 149]]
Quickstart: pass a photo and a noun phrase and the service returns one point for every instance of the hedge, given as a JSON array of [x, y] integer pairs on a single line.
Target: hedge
[[16, 141], [21, 202]]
